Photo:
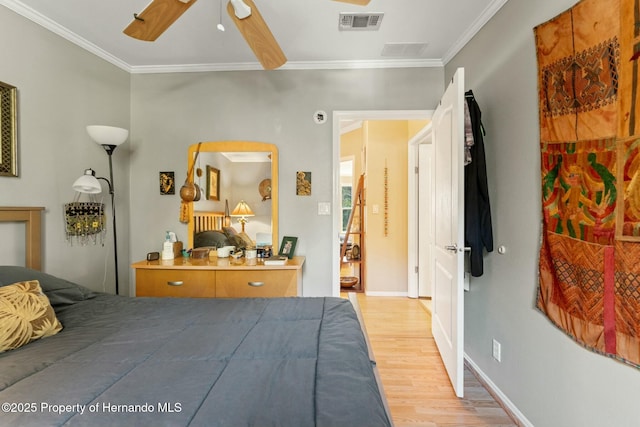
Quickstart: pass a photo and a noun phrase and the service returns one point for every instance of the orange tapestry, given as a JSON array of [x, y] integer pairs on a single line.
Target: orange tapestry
[[589, 106]]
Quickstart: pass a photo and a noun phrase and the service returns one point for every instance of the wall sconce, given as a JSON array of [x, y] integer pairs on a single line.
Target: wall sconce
[[110, 138], [242, 210]]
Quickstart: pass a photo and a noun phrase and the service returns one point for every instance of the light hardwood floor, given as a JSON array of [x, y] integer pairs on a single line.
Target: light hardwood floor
[[414, 379]]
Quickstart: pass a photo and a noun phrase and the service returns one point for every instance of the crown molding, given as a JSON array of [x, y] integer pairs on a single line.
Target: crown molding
[[63, 32], [300, 65], [480, 22]]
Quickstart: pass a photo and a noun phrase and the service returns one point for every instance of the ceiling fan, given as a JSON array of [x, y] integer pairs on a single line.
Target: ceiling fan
[[160, 14]]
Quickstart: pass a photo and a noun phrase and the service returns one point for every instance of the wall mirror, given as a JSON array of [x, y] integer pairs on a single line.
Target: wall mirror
[[226, 174]]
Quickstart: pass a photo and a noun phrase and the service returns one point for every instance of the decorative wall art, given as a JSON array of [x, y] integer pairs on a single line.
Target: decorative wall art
[[85, 222], [589, 275], [264, 188], [213, 183], [188, 189], [8, 130], [167, 183], [386, 199], [303, 183]]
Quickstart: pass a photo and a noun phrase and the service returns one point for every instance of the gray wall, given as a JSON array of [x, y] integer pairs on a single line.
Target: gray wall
[[551, 379], [61, 89], [172, 111]]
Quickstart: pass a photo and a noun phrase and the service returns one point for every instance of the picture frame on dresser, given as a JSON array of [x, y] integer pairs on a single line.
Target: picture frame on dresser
[[288, 246]]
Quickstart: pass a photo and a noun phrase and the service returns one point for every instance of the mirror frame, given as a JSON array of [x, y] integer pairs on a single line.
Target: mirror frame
[[243, 146]]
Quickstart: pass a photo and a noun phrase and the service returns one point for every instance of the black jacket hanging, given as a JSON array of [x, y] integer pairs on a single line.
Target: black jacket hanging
[[477, 211]]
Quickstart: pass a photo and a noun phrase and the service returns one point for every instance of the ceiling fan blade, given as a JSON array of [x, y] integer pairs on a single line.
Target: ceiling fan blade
[[259, 37], [156, 18], [357, 2]]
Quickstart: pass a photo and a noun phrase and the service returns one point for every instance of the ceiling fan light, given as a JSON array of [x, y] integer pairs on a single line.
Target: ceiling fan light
[[241, 9]]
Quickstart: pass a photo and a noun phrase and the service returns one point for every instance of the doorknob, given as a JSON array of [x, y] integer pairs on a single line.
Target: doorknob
[[454, 248]]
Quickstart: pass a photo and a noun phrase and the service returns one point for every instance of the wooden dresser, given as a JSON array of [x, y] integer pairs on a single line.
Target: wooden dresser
[[218, 278]]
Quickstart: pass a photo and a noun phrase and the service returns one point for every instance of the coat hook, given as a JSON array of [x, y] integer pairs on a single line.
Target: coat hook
[[135, 16]]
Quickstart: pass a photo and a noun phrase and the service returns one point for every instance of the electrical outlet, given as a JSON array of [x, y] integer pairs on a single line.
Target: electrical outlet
[[497, 351]]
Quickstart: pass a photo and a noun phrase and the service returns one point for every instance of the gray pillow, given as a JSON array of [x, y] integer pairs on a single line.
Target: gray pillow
[[212, 238], [59, 291], [229, 231]]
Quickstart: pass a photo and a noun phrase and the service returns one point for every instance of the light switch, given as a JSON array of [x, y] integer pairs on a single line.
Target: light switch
[[375, 209], [324, 208]]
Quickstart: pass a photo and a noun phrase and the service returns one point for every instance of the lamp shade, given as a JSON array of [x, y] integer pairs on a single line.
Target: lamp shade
[[88, 183], [107, 135], [242, 209]]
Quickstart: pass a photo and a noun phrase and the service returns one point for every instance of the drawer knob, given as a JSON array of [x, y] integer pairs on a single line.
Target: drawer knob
[[177, 283], [256, 284]]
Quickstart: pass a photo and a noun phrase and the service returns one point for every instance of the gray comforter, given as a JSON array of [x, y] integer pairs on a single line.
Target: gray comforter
[[195, 362]]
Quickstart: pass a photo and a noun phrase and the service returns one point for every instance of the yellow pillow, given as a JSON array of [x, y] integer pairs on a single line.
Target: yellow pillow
[[25, 315]]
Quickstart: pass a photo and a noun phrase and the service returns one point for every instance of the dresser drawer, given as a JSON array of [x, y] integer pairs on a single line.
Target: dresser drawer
[[175, 283], [253, 284]]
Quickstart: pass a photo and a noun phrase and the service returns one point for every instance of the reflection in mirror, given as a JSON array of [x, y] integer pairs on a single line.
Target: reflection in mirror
[[227, 174]]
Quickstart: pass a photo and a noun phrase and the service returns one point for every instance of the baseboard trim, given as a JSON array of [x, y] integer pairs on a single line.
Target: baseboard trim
[[385, 294], [502, 399]]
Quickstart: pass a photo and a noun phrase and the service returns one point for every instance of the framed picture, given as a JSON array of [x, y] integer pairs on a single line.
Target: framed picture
[[288, 246], [303, 183], [9, 126], [167, 183], [213, 183]]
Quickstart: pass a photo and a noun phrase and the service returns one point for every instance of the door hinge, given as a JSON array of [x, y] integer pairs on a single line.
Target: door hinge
[[416, 269], [417, 169]]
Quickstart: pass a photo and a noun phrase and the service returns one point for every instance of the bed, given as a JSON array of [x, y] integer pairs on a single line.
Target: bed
[[205, 221], [190, 362], [210, 231]]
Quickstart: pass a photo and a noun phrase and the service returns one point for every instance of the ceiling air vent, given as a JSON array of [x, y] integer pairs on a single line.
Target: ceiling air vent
[[404, 50], [360, 21]]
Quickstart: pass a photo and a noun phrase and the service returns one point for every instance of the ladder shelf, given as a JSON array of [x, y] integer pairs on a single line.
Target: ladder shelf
[[354, 229]]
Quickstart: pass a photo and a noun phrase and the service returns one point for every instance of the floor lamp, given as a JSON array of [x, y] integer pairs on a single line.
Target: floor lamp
[[110, 138]]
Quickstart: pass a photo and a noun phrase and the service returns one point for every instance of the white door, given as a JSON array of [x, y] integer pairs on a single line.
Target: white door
[[448, 245]]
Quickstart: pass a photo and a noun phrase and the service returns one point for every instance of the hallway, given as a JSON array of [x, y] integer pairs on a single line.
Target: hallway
[[414, 379]]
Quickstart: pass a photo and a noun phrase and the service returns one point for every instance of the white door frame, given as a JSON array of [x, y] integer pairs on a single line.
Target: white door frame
[[422, 137], [361, 115]]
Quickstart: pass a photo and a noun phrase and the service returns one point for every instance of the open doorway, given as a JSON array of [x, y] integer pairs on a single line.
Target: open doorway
[[447, 246], [379, 169]]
